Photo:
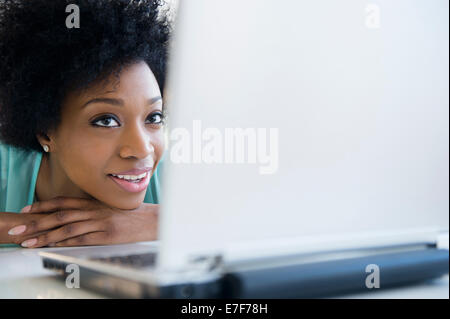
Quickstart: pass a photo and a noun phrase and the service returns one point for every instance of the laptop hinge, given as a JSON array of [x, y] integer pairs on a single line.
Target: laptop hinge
[[205, 263]]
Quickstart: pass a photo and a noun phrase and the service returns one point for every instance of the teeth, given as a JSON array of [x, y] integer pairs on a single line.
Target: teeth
[[130, 177]]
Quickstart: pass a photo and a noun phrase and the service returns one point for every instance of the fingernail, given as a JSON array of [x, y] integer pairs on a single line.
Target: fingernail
[[26, 209], [17, 230], [29, 242]]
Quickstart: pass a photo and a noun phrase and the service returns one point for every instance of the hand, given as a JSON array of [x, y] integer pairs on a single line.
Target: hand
[[9, 220], [78, 222]]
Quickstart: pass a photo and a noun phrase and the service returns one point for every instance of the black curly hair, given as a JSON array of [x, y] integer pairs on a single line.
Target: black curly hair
[[41, 59]]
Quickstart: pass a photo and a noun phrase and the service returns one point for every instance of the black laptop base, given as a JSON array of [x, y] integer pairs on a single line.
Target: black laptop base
[[312, 280], [333, 278]]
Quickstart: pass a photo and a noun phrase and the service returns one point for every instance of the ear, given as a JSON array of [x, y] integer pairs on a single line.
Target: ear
[[44, 139]]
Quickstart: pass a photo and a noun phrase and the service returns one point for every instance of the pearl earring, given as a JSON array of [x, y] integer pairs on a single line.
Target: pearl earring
[[45, 148]]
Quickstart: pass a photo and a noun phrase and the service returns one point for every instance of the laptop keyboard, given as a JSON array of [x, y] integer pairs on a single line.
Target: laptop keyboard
[[139, 260]]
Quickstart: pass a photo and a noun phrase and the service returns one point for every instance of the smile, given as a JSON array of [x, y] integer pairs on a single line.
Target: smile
[[132, 183], [131, 177]]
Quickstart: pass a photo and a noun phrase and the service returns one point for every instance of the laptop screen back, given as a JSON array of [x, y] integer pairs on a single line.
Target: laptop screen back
[[304, 119]]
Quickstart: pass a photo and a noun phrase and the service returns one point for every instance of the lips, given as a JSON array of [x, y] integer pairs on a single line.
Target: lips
[[130, 186], [136, 171]]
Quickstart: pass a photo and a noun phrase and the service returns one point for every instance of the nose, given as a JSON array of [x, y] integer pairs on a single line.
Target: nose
[[136, 142]]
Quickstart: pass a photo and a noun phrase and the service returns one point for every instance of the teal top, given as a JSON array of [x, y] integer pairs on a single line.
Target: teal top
[[19, 169]]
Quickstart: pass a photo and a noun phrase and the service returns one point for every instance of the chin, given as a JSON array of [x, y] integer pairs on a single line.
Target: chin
[[126, 205], [128, 201]]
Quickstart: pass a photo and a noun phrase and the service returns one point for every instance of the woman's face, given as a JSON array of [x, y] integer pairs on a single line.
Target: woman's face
[[111, 129]]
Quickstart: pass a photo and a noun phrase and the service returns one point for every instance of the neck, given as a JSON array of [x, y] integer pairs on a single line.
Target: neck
[[53, 182]]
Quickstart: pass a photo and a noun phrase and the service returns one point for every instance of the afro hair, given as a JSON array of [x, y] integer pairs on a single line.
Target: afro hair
[[41, 59]]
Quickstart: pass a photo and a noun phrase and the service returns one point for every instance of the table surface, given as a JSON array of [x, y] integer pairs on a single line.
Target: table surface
[[22, 276]]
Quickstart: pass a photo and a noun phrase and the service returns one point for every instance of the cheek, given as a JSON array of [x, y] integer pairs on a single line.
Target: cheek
[[84, 157], [87, 160], [159, 144], [85, 169]]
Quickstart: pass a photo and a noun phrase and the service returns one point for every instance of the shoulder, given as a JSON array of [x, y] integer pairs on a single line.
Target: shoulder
[[4, 164], [4, 147], [4, 157], [14, 155], [18, 171]]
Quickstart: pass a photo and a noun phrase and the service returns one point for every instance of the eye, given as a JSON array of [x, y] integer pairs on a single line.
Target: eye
[[106, 121], [156, 118]]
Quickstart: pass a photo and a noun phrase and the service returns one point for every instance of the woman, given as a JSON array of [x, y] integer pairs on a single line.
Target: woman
[[81, 121]]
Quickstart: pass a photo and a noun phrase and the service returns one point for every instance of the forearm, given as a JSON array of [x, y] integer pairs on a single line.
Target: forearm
[[94, 225]]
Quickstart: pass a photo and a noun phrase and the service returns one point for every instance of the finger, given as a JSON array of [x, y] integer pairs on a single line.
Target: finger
[[62, 233], [59, 203], [53, 220], [20, 239], [96, 238]]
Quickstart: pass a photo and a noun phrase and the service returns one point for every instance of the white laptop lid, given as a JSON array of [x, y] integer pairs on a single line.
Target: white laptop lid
[[357, 92]]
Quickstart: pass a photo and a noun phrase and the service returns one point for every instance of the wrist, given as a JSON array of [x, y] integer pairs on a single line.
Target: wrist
[[149, 216]]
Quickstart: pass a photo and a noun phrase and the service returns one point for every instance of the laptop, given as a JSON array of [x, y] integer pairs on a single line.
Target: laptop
[[308, 154]]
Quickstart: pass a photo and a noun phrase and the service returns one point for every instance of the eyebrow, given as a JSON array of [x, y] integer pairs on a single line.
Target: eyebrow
[[118, 102]]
